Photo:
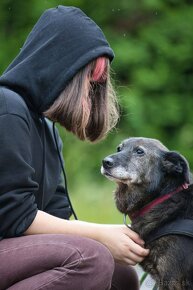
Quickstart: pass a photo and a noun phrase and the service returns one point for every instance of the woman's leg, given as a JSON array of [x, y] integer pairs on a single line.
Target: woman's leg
[[54, 262], [125, 278]]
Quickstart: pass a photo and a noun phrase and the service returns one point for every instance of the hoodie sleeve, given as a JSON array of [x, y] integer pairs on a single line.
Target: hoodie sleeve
[[59, 205], [17, 201]]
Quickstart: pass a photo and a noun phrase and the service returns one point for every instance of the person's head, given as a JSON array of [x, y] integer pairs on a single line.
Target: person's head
[[62, 71], [87, 106]]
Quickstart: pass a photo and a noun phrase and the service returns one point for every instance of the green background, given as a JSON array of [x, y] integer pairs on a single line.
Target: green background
[[152, 72]]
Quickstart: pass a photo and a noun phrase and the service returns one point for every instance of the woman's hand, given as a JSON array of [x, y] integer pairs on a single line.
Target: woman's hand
[[125, 245]]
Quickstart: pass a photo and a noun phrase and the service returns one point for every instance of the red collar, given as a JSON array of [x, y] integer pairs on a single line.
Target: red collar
[[156, 201]]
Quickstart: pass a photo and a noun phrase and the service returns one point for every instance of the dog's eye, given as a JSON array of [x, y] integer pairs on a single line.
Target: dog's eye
[[119, 148], [139, 151]]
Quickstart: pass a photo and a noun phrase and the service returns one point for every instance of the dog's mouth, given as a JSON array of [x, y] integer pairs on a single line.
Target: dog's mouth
[[109, 175], [106, 173]]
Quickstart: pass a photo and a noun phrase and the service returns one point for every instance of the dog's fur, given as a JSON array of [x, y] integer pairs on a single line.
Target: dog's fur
[[145, 169]]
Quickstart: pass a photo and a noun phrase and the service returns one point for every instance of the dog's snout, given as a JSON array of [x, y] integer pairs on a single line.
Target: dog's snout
[[108, 162]]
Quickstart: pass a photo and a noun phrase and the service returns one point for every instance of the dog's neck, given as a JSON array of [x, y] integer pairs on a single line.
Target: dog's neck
[[157, 201], [163, 212]]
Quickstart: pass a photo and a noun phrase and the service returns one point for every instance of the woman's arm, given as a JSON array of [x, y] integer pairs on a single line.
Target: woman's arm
[[124, 244]]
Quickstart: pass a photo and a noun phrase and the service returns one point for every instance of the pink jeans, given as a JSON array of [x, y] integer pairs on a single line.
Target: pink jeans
[[65, 262]]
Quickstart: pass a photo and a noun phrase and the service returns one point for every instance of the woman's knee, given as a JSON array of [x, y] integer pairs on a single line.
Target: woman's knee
[[90, 266], [98, 263]]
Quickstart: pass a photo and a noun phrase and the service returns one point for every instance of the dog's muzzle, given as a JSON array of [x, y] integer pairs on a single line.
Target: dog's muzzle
[[113, 170], [107, 165]]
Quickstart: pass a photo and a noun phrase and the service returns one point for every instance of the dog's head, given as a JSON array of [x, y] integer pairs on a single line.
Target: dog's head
[[143, 168]]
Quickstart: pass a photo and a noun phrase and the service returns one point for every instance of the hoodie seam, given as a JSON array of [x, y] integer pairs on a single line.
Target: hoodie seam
[[4, 100], [17, 115], [6, 106]]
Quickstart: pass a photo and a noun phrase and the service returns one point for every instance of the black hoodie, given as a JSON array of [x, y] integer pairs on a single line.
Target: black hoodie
[[63, 41]]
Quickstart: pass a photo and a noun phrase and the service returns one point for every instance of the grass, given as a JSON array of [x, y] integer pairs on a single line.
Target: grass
[[94, 202]]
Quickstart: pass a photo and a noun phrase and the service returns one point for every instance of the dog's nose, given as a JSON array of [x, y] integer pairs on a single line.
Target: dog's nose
[[108, 162]]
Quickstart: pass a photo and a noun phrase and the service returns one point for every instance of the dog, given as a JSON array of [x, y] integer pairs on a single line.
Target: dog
[[154, 188]]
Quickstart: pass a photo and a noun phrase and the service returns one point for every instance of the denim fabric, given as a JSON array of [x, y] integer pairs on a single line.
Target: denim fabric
[[65, 262]]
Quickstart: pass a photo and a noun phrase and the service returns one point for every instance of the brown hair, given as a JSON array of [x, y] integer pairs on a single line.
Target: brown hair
[[87, 106]]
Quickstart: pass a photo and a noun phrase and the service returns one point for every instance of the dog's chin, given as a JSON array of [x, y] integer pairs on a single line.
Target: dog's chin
[[117, 179], [127, 198]]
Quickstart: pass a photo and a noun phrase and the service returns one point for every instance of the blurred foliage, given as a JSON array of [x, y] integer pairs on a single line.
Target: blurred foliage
[[153, 70]]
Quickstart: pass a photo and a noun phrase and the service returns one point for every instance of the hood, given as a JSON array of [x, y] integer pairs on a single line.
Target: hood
[[63, 41]]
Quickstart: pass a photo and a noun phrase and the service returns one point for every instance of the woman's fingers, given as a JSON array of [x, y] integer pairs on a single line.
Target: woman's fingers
[[134, 236], [135, 258], [137, 249]]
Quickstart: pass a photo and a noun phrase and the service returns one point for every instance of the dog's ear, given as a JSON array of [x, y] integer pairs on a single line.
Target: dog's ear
[[175, 164]]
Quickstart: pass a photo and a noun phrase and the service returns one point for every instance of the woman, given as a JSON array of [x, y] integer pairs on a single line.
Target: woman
[[62, 72]]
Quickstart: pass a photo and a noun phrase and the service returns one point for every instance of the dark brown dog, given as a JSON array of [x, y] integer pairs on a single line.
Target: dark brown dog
[[154, 191]]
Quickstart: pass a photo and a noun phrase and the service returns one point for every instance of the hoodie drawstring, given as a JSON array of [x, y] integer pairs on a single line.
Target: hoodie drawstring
[[43, 163], [63, 171]]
